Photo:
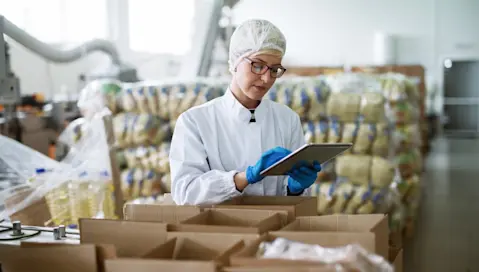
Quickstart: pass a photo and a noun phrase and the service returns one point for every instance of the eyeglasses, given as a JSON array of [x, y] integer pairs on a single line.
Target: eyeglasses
[[261, 68]]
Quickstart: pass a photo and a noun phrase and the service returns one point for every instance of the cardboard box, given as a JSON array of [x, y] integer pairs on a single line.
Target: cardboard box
[[396, 259], [333, 227], [294, 205], [131, 239], [231, 221], [199, 253], [246, 257], [81, 258], [159, 213]]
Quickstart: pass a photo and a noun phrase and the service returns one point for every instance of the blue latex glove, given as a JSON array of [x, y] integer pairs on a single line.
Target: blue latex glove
[[268, 158], [303, 176]]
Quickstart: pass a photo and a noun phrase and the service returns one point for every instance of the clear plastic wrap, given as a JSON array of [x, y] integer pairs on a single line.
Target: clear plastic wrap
[[348, 258], [78, 186]]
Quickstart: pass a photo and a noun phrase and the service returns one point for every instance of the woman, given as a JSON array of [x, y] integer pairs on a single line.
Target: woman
[[219, 148]]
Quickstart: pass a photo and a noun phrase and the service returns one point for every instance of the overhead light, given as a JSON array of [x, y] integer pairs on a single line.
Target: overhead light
[[447, 63]]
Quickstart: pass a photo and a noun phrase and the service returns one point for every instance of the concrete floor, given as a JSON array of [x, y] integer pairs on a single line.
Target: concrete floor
[[447, 231]]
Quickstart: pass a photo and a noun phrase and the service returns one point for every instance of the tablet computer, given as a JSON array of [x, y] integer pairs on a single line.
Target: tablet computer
[[308, 153]]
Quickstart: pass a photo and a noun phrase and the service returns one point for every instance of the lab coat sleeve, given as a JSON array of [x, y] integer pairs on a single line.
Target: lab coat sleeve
[[297, 141], [192, 180]]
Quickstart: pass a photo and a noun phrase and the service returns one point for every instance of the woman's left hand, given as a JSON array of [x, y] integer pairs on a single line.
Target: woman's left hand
[[303, 176]]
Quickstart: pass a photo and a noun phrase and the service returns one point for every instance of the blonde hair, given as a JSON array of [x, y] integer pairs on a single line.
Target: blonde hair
[[271, 52]]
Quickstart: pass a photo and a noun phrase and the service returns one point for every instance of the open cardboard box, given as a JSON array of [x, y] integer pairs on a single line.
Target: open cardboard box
[[202, 252], [30, 256], [333, 227], [130, 238], [294, 205], [231, 221], [159, 213]]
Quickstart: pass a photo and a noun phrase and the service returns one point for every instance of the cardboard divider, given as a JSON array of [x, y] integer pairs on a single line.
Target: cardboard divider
[[160, 213], [130, 238], [231, 221], [186, 253], [294, 205], [338, 225]]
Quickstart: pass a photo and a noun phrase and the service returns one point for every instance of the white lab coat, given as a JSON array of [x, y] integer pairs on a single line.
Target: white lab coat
[[214, 141]]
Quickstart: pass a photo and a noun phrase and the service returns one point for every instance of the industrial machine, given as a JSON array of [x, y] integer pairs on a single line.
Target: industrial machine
[[13, 233]]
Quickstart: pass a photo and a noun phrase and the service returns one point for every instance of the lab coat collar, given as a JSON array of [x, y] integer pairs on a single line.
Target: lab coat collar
[[237, 110]]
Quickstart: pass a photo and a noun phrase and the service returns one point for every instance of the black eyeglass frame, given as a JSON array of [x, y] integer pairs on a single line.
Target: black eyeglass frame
[[269, 68]]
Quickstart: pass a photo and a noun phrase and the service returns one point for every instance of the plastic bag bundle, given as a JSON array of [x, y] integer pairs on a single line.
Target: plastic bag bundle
[[100, 95], [347, 258], [342, 197], [138, 182], [149, 157], [133, 129]]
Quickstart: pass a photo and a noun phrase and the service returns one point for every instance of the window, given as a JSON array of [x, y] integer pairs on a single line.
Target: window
[[58, 21], [161, 26]]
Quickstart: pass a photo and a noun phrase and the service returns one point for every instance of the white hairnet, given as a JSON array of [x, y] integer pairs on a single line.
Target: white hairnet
[[253, 36]]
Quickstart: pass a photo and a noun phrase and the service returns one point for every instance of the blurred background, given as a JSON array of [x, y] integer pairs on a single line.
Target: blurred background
[[52, 49]]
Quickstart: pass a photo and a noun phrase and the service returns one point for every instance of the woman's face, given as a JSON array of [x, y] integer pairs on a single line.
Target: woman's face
[[253, 85]]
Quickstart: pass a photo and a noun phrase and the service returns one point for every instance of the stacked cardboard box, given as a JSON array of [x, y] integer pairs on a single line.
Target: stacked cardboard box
[[223, 237]]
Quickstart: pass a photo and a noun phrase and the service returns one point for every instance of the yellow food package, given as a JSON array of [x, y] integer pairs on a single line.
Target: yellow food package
[[343, 193], [128, 102], [354, 168], [166, 183], [129, 180], [163, 101], [382, 172], [284, 94], [372, 107], [350, 131], [139, 94], [151, 183], [344, 107], [361, 195], [382, 145], [335, 132], [321, 130], [366, 135], [300, 101], [324, 192], [153, 100], [309, 129], [177, 94], [190, 95], [318, 93]]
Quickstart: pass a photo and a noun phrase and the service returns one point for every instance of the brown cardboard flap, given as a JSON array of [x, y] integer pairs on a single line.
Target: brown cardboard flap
[[35, 214], [216, 237], [374, 223], [396, 259], [131, 239], [231, 221], [159, 213], [128, 265], [81, 258], [294, 205], [247, 256], [305, 268]]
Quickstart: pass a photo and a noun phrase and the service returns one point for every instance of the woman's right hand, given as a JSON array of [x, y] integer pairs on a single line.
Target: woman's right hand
[[268, 158]]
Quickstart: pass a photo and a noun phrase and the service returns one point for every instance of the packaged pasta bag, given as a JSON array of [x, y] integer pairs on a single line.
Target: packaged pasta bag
[[324, 192], [382, 145], [361, 194], [342, 195], [321, 129], [350, 131], [327, 172], [394, 88], [402, 112], [365, 137], [206, 94], [191, 93], [151, 183], [166, 183], [145, 127], [309, 129], [177, 94], [318, 92], [354, 168], [344, 107], [406, 136], [131, 157], [379, 199], [335, 132], [382, 172], [300, 101], [143, 156], [284, 94], [163, 133], [153, 157], [122, 124], [128, 102], [163, 101], [140, 96], [153, 100], [163, 165], [372, 107], [130, 180]]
